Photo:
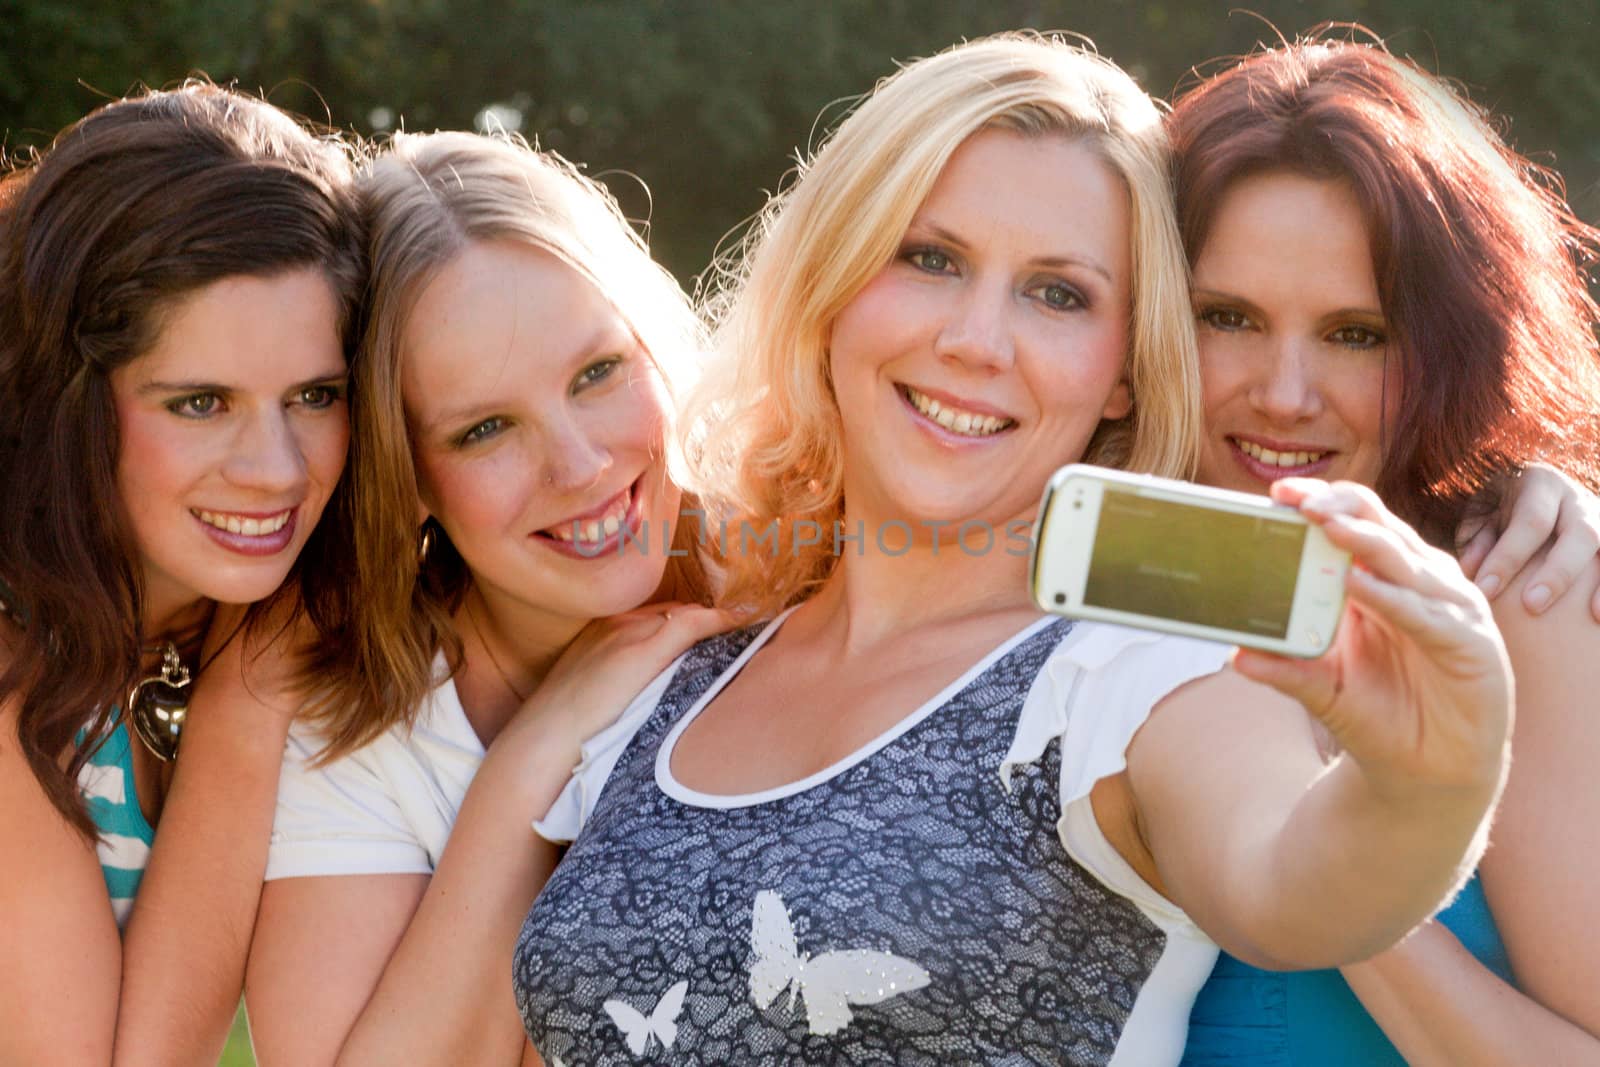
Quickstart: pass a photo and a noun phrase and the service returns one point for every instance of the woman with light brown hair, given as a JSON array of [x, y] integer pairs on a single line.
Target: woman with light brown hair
[[514, 405]]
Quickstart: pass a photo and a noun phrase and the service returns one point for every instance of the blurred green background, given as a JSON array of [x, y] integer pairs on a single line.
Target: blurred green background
[[706, 104]]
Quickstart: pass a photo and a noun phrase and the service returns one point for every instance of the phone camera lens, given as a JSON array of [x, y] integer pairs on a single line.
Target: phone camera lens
[[1061, 598]]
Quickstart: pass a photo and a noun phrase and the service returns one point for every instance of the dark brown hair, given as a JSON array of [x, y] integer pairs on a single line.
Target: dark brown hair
[[134, 206], [1480, 263]]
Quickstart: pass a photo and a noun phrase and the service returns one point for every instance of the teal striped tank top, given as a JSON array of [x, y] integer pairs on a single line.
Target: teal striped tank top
[[125, 836]]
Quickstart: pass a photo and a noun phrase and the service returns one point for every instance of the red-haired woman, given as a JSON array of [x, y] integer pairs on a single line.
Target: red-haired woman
[[1386, 293]]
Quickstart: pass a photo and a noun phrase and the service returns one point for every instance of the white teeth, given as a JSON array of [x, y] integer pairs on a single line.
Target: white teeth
[[594, 530], [244, 526], [1277, 459], [967, 423]]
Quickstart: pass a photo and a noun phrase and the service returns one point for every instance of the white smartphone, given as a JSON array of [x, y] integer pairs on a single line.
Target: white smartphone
[[1186, 559]]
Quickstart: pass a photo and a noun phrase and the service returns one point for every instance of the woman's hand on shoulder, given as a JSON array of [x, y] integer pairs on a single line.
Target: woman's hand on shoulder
[[1417, 687], [613, 659], [1540, 506]]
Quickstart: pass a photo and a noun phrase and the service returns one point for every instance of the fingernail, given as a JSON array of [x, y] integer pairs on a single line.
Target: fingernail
[[1489, 583], [1537, 597]]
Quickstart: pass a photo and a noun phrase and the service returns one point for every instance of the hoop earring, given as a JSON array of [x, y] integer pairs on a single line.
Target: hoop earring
[[425, 543]]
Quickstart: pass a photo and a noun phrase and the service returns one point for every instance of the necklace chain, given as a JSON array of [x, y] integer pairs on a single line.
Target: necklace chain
[[483, 640]]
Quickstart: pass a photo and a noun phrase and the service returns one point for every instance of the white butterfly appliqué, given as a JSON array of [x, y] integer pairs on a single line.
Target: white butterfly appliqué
[[830, 982], [662, 1023]]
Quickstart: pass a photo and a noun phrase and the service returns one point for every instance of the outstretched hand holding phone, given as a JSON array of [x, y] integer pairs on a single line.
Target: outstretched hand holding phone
[[1416, 686], [1326, 863]]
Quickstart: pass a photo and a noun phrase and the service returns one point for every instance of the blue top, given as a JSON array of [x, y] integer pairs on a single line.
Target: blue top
[[1248, 1017], [123, 833]]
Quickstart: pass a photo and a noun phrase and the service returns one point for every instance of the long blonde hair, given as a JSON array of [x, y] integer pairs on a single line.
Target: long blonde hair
[[764, 428], [424, 199]]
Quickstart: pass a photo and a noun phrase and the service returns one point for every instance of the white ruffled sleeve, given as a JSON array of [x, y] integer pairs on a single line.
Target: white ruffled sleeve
[[1094, 693], [598, 757]]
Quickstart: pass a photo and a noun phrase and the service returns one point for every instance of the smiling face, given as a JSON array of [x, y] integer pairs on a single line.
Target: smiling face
[[984, 355], [233, 433], [536, 421], [1295, 362]]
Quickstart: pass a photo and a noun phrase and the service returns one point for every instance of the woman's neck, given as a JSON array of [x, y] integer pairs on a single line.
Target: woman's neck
[[509, 647], [181, 621], [873, 595]]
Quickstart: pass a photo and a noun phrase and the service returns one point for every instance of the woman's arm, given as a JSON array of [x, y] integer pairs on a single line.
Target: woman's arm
[[321, 944], [1437, 1003], [59, 982], [184, 952], [441, 990], [1441, 1006], [1293, 864]]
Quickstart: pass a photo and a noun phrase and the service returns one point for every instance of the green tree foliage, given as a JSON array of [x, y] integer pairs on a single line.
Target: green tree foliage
[[709, 103]]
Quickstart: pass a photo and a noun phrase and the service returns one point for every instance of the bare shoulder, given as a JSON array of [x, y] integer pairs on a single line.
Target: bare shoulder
[[1544, 855], [1566, 625], [59, 938]]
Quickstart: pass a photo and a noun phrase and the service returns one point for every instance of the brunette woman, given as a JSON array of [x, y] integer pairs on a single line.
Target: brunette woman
[[176, 276]]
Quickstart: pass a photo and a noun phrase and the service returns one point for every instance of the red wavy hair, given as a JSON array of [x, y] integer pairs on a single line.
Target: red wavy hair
[[1480, 264]]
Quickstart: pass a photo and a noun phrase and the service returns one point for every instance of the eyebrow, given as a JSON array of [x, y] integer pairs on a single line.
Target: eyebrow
[[217, 387], [601, 339], [933, 229], [1198, 294], [1201, 295]]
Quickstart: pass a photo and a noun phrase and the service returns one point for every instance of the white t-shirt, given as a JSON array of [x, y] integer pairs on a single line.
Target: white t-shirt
[[386, 808]]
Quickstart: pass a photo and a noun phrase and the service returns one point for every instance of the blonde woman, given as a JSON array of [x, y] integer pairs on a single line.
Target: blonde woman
[[909, 820], [518, 362]]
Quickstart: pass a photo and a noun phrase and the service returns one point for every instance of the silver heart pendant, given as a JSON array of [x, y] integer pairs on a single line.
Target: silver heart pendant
[[158, 705]]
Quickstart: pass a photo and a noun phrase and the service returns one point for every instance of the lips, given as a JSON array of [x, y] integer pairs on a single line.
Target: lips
[[249, 525], [592, 533], [1267, 463], [1274, 458], [249, 533], [955, 417]]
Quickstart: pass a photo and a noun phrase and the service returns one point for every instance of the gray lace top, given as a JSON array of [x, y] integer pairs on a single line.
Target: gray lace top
[[902, 907]]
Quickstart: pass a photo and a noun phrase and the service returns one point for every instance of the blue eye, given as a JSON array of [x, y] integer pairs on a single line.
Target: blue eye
[[196, 405], [1060, 296], [482, 431]]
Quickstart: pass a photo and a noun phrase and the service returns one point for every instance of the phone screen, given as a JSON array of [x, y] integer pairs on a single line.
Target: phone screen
[[1194, 564]]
